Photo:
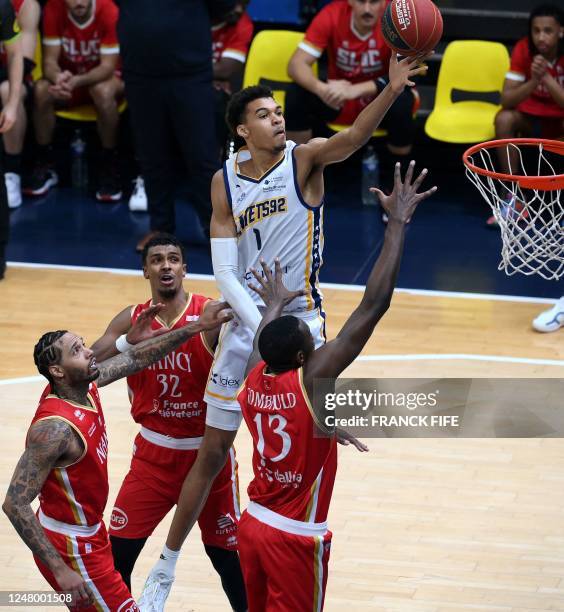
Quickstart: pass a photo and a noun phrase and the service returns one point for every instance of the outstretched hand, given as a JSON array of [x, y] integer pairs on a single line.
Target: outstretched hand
[[403, 201], [215, 313], [346, 439], [402, 71], [272, 289], [142, 328]]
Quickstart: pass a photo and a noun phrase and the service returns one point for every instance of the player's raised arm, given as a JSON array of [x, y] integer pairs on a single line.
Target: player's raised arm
[[330, 360], [50, 443], [320, 152], [150, 351], [275, 295], [121, 334], [225, 255]]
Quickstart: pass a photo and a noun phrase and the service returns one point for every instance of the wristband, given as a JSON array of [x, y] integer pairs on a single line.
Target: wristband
[[122, 344]]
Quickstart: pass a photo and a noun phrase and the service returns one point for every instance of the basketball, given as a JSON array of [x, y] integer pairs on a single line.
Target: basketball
[[412, 26]]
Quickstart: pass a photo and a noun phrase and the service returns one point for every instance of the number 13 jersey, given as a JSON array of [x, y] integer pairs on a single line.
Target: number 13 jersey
[[273, 220]]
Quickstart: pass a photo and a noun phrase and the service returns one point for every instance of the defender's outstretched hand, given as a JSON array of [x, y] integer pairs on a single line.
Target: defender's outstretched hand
[[141, 329], [403, 201], [272, 289]]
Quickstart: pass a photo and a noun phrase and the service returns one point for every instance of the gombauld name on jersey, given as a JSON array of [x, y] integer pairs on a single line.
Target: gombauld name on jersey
[[262, 210]]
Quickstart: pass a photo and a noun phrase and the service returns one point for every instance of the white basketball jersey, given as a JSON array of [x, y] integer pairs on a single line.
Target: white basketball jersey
[[272, 221]]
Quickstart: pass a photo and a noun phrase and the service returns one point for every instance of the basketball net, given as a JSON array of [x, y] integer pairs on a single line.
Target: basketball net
[[527, 207]]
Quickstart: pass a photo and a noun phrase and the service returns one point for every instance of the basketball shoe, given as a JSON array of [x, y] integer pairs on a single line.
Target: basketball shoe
[[552, 319], [138, 199], [155, 592]]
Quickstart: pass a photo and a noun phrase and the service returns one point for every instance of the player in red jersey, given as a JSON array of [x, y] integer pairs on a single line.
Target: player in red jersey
[[28, 13], [65, 463], [284, 542], [167, 401], [533, 92], [350, 33], [80, 66]]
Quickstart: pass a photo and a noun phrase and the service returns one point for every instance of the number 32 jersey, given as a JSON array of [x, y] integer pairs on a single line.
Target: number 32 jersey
[[273, 220], [168, 396]]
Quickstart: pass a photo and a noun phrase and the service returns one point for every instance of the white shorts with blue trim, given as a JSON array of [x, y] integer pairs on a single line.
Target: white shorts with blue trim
[[234, 348]]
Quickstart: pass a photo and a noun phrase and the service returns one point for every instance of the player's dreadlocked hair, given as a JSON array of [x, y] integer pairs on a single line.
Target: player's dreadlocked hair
[[280, 341], [237, 106], [546, 10], [46, 352]]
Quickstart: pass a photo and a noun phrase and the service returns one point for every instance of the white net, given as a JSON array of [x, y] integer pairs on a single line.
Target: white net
[[531, 220]]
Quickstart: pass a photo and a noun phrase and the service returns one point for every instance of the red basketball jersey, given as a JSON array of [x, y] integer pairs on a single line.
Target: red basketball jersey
[[294, 470], [168, 396], [77, 494], [232, 40], [350, 55], [81, 44], [540, 103]]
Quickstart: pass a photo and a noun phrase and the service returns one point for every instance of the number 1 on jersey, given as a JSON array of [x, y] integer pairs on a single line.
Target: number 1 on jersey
[[259, 240]]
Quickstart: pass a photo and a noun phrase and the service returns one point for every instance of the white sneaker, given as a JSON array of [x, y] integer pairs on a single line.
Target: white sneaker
[[552, 319], [155, 592], [14, 188], [138, 199]]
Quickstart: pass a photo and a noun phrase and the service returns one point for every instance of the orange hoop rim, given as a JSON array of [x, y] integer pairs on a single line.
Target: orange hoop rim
[[540, 183]]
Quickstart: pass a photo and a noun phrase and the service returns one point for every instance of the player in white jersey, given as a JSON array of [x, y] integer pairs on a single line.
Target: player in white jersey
[[267, 202]]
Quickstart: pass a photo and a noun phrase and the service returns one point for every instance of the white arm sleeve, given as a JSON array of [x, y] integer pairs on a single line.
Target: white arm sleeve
[[225, 261], [228, 420]]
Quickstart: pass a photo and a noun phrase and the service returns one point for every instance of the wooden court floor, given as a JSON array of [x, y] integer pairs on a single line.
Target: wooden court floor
[[419, 524]]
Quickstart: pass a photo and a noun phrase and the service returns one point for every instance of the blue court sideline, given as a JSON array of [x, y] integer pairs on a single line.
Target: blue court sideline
[[448, 247]]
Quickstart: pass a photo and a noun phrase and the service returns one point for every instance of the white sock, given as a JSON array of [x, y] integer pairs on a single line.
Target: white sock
[[167, 561]]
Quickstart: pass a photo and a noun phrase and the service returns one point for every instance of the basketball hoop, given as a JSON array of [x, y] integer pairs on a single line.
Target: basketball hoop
[[526, 203]]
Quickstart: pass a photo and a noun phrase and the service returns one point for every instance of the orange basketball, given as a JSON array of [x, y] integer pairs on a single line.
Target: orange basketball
[[412, 26]]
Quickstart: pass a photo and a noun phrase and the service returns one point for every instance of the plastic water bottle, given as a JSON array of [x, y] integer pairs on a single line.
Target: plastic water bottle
[[79, 168], [370, 176]]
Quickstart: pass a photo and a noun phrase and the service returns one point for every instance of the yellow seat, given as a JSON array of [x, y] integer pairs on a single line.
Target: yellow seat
[[468, 66], [267, 62]]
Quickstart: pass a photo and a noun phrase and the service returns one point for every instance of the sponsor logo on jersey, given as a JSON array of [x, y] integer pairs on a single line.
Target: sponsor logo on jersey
[[79, 415], [261, 210], [119, 519], [225, 381], [129, 605], [85, 49], [225, 524], [92, 430], [102, 448], [192, 317]]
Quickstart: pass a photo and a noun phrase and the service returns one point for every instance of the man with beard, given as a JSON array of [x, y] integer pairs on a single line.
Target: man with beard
[[358, 57], [65, 463], [167, 400]]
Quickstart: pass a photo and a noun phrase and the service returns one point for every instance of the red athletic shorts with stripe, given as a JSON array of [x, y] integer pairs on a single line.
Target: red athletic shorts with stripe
[[152, 487], [91, 557], [283, 572]]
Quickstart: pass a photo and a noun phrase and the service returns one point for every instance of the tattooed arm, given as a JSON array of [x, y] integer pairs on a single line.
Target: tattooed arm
[[50, 443], [150, 351]]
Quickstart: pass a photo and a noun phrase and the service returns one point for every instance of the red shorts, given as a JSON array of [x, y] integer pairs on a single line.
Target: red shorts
[[152, 487], [91, 557], [283, 572]]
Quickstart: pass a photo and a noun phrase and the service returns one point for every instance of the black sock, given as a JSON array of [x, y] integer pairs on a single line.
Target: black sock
[[13, 163], [45, 154], [226, 564], [109, 155], [125, 552]]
